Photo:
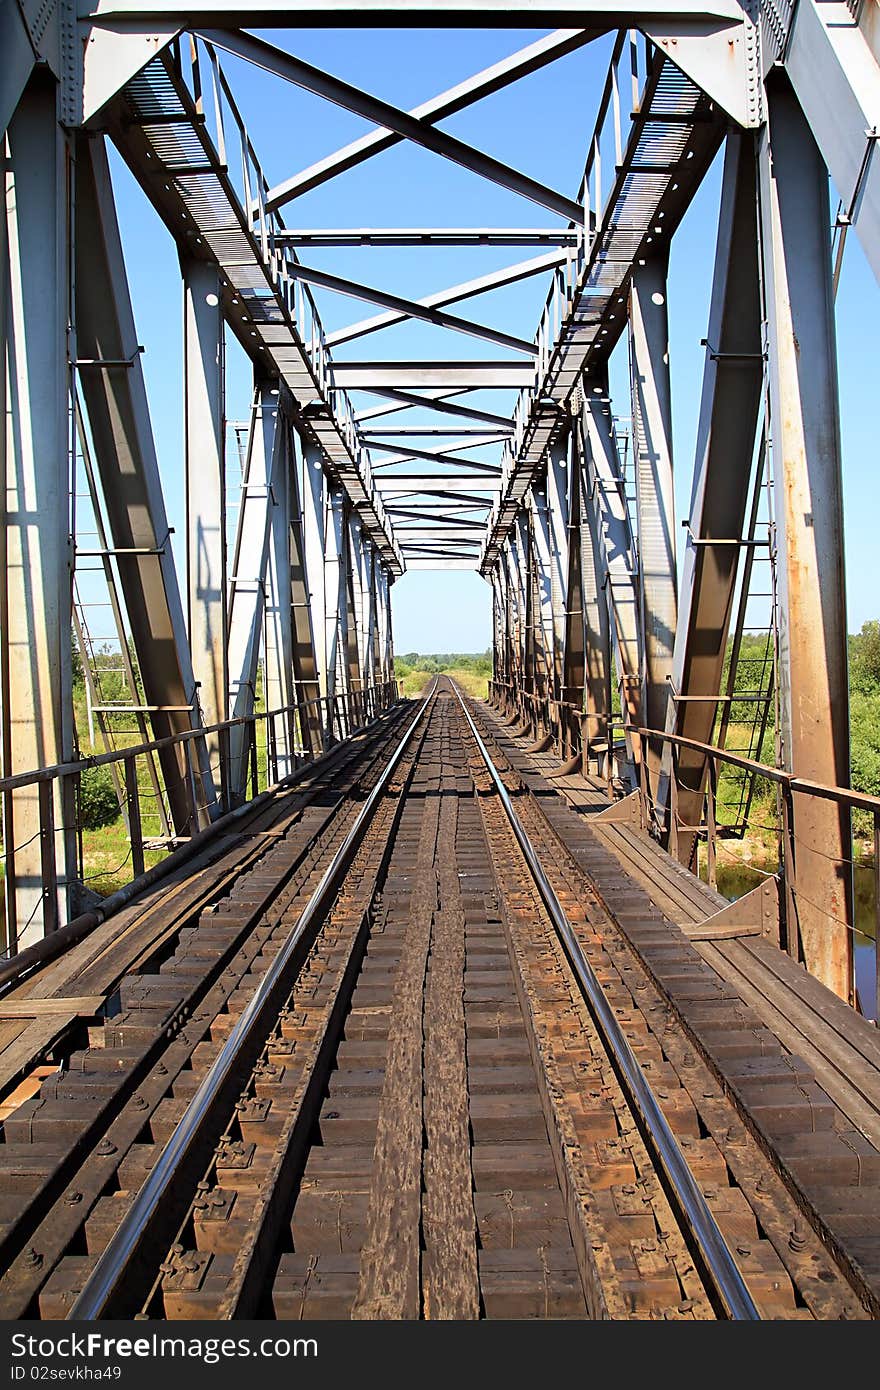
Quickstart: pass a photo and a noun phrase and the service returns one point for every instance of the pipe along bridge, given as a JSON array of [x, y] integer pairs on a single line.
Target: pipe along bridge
[[431, 1007]]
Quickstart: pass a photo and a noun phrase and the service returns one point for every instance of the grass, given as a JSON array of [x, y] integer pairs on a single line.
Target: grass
[[414, 682]]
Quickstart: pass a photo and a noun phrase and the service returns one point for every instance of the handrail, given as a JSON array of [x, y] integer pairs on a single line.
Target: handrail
[[56, 770]]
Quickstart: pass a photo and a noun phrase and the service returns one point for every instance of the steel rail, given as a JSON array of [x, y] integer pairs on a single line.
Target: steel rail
[[701, 1224], [114, 1261]]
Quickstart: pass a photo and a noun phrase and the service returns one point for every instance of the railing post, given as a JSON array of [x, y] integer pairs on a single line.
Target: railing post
[[255, 769], [673, 801], [789, 873], [224, 751], [877, 918], [710, 824], [47, 857], [135, 831]]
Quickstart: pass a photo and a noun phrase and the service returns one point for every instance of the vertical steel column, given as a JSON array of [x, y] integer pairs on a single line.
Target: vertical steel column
[[267, 459], [588, 645], [305, 662], [805, 428], [314, 536], [113, 388], [655, 498], [204, 436], [336, 600], [558, 524], [280, 690], [544, 617], [732, 380], [36, 602], [606, 507]]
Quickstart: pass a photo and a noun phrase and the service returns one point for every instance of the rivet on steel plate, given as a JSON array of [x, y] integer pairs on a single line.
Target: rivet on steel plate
[[105, 1148], [73, 1199]]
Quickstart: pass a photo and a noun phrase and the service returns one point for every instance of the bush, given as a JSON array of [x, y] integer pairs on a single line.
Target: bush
[[98, 803]]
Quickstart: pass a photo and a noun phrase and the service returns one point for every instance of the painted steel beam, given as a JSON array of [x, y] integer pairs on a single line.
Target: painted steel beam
[[450, 376], [835, 74], [303, 623], [402, 309], [35, 579], [382, 113], [607, 504], [477, 432], [805, 428], [119, 420], [498, 279], [455, 13], [483, 84], [429, 398], [590, 662], [428, 236], [439, 403], [279, 684], [392, 483], [266, 463], [655, 491], [731, 395], [205, 481], [314, 486]]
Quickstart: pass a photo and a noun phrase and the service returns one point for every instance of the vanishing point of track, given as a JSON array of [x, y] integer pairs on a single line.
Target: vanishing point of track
[[404, 1065]]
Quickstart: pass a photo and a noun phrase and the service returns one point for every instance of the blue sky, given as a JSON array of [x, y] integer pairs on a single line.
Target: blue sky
[[541, 126]]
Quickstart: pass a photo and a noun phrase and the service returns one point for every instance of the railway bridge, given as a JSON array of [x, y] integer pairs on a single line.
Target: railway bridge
[[431, 1007]]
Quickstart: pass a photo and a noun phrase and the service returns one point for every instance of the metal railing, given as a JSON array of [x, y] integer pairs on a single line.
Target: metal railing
[[291, 736], [563, 723]]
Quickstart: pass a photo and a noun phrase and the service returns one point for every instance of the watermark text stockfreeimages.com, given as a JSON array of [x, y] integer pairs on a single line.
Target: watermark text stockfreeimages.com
[[77, 1346]]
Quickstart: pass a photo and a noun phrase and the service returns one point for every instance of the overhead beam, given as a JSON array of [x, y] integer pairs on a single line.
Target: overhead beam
[[382, 113], [428, 236], [483, 84], [497, 279], [430, 398], [430, 483], [478, 14], [406, 376], [478, 433], [412, 453], [439, 403], [403, 309]]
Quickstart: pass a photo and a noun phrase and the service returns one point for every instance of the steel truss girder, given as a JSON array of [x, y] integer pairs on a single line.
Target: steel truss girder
[[382, 113], [35, 600], [205, 472], [655, 494], [428, 306], [806, 452], [731, 395], [606, 508], [119, 420]]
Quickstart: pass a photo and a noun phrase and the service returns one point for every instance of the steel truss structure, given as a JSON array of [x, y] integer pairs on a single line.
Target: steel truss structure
[[594, 628]]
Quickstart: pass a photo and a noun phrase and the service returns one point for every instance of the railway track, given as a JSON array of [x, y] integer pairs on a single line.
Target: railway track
[[407, 1067]]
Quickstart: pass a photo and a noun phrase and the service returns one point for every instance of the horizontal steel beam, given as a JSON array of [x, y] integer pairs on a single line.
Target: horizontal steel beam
[[478, 14], [429, 236], [491, 376], [431, 483], [434, 432]]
